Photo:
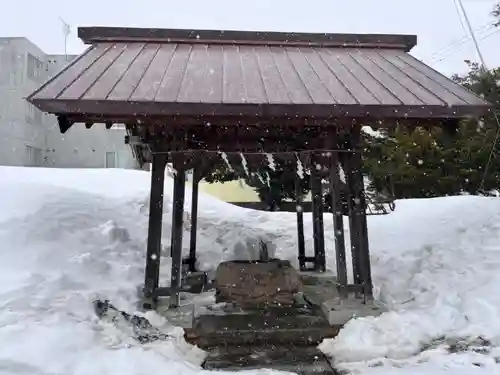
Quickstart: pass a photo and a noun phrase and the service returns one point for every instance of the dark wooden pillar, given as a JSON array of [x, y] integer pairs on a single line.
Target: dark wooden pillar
[[361, 223], [300, 225], [359, 228], [317, 214], [153, 252], [354, 234], [177, 230], [191, 261], [338, 224]]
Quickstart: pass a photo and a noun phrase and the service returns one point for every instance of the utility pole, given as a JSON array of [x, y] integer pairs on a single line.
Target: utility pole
[[472, 34], [485, 70]]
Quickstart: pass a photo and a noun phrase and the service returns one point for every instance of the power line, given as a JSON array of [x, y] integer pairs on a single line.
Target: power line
[[465, 38], [436, 61], [486, 27], [482, 31], [455, 45]]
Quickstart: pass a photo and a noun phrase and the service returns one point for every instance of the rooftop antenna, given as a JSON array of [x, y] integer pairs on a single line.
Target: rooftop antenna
[[66, 29]]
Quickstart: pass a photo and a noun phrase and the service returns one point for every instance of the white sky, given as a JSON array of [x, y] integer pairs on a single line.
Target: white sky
[[434, 21]]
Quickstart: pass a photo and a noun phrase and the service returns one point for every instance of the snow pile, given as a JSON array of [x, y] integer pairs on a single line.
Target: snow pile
[[70, 236], [436, 264]]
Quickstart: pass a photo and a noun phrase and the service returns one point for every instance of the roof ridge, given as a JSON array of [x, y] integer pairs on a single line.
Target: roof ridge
[[92, 35]]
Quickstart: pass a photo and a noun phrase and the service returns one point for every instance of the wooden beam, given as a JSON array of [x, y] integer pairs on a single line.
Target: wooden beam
[[180, 123], [247, 147], [64, 123]]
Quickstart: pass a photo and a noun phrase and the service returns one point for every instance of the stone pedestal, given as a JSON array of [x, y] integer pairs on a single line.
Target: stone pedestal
[[257, 284]]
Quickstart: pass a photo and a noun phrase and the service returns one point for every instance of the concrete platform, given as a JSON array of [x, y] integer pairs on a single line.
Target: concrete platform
[[339, 312], [182, 316], [320, 290]]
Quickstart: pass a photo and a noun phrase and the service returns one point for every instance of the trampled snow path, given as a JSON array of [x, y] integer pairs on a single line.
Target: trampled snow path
[[68, 236]]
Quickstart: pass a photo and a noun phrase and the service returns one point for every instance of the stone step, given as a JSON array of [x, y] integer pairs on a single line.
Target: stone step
[[271, 327], [300, 360]]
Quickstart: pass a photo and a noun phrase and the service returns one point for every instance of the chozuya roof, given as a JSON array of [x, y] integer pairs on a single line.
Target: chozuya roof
[[156, 72]]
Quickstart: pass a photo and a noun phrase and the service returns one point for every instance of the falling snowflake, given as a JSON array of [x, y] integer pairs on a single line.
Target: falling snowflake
[[268, 180], [173, 171], [244, 164], [226, 160], [261, 179], [300, 169], [270, 161], [342, 174]]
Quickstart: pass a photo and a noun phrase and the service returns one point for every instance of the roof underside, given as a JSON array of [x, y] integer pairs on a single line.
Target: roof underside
[[138, 76]]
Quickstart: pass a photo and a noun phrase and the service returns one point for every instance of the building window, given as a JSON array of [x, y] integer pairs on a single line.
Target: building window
[[5, 74], [110, 160], [37, 116], [29, 115], [33, 156], [33, 115], [34, 68]]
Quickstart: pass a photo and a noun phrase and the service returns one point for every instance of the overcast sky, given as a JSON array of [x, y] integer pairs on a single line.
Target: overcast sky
[[442, 42]]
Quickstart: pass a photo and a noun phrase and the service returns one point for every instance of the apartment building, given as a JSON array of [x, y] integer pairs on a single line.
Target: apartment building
[[29, 137]]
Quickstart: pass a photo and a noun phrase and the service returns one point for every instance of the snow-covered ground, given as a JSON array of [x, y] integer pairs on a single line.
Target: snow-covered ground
[[69, 236]]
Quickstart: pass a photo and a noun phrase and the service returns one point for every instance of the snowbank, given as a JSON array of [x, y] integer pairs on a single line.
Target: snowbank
[[436, 265], [69, 236]]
